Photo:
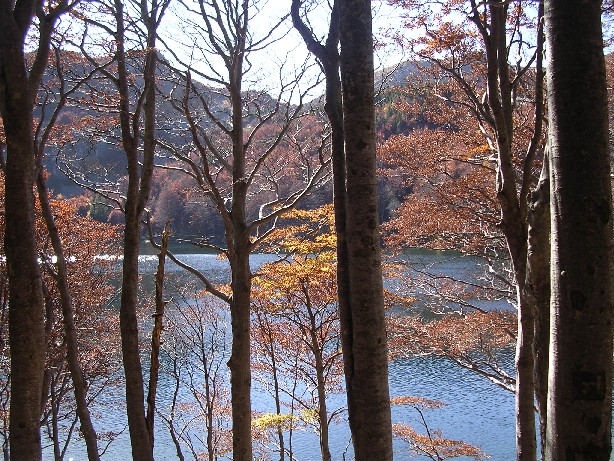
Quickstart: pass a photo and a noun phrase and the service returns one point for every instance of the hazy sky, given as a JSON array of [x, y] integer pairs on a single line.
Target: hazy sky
[[286, 50]]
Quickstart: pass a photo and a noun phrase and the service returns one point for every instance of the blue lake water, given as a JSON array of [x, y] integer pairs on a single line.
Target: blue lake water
[[477, 411]]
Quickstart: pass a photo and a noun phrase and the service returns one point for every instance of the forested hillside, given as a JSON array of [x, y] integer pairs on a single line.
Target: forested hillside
[[90, 157]]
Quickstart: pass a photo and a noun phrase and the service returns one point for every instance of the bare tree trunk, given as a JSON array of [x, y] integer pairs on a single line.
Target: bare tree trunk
[[328, 56], [537, 291], [321, 386], [156, 335], [70, 331], [239, 251], [139, 186], [240, 360], [26, 303], [512, 222], [367, 374], [135, 397], [26, 312], [270, 346], [580, 379], [526, 443]]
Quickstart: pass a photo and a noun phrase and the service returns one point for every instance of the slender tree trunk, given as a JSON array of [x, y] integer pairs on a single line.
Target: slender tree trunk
[[171, 418], [526, 443], [322, 409], [240, 360], [512, 224], [367, 375], [316, 350], [209, 405], [276, 390], [26, 303], [139, 187], [328, 56], [70, 330], [135, 397], [537, 291], [239, 246], [580, 379], [156, 336]]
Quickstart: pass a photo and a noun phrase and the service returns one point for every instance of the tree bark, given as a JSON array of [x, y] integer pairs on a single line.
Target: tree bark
[[512, 222], [580, 378], [537, 291], [317, 351], [139, 187], [367, 371], [240, 359], [241, 279], [70, 330], [328, 56], [156, 336], [26, 302]]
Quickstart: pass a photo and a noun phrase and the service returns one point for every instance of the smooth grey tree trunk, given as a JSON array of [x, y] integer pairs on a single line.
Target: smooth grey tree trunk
[[580, 378], [366, 366], [537, 291]]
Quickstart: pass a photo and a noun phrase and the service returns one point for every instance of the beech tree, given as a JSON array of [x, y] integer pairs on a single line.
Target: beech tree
[[195, 353], [54, 96], [19, 82], [77, 362], [473, 341], [90, 290], [359, 274], [580, 378], [297, 321], [365, 354], [327, 55], [237, 157], [136, 111], [480, 52]]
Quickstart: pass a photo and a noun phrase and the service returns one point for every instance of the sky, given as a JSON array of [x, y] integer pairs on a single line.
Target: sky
[[286, 50]]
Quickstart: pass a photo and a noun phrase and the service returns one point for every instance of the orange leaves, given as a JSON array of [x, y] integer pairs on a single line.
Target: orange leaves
[[478, 341], [434, 445], [305, 279], [418, 402], [452, 39], [295, 320], [311, 232], [453, 336], [309, 276], [450, 166]]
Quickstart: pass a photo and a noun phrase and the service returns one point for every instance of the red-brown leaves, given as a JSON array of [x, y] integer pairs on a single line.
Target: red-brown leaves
[[434, 446], [476, 341]]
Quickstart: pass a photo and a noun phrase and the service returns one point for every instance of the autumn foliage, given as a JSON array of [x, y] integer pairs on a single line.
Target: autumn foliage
[[91, 248]]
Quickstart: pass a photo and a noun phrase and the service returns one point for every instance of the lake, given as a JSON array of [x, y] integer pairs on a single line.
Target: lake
[[477, 411]]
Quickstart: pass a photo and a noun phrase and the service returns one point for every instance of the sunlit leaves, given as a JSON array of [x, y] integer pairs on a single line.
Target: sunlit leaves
[[476, 341], [417, 402], [268, 421], [434, 445], [452, 205], [296, 320]]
